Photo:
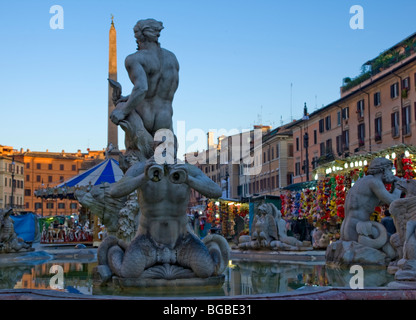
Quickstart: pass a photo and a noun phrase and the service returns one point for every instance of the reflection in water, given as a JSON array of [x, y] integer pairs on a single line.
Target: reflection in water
[[246, 278], [77, 277], [241, 278]]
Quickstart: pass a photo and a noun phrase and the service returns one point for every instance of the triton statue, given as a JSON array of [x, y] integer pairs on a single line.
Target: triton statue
[[164, 246]]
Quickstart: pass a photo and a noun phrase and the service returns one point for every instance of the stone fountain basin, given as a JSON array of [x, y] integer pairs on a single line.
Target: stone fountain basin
[[55, 253]]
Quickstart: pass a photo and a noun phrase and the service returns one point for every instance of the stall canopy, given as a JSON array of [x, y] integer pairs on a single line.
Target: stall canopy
[[106, 171]]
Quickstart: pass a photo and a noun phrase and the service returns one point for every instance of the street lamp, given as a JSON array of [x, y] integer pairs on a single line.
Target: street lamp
[[13, 169]]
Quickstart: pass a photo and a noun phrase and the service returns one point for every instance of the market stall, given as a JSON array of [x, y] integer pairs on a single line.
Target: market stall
[[227, 217], [322, 206]]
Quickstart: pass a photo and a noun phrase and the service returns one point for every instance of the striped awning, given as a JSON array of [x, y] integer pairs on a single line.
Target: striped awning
[[106, 171]]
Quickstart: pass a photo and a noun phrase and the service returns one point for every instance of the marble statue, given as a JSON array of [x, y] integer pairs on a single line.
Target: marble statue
[[154, 72], [362, 240], [9, 241], [269, 232], [164, 246], [320, 238], [98, 200], [404, 240]]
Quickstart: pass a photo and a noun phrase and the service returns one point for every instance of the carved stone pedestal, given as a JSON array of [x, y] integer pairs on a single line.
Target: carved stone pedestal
[[351, 252]]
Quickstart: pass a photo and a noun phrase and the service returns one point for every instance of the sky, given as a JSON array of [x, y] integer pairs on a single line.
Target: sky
[[242, 63]]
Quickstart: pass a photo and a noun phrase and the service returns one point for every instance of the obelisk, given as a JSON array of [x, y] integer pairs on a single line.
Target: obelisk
[[112, 138]]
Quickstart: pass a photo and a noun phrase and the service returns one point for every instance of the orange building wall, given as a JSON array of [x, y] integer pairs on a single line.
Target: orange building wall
[[388, 105]]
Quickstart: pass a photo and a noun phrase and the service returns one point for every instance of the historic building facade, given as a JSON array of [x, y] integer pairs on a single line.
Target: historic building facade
[[11, 180], [377, 110]]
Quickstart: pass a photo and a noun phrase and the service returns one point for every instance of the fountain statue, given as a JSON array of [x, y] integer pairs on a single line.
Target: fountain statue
[[269, 232], [364, 241], [404, 240], [164, 247], [9, 241]]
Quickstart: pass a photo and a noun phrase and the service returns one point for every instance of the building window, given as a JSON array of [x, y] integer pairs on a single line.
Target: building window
[[290, 149], [328, 123], [38, 205], [406, 120], [297, 143], [329, 146], [414, 109], [338, 118], [346, 113], [289, 178], [27, 177], [277, 151], [74, 167], [406, 83], [61, 167], [50, 166], [37, 178], [322, 148], [73, 205], [395, 124], [405, 87], [377, 99], [49, 205], [414, 79], [297, 168], [339, 144], [321, 126], [360, 109], [38, 166], [61, 205], [314, 162], [394, 90], [28, 165], [49, 179], [315, 136], [361, 134], [28, 192], [377, 128]]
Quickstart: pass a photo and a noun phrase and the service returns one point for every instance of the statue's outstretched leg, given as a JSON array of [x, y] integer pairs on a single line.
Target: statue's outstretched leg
[[193, 254], [130, 262]]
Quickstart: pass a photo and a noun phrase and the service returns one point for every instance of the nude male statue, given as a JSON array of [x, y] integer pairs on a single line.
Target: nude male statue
[[163, 188], [154, 72], [365, 195], [163, 235]]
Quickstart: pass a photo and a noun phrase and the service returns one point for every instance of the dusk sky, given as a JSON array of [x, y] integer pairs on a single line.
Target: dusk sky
[[238, 61]]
